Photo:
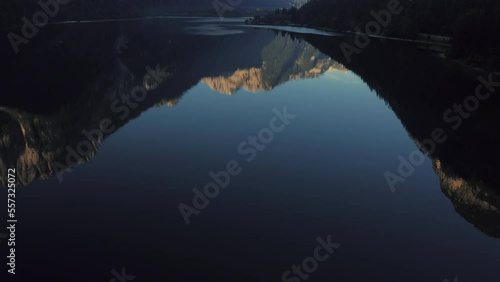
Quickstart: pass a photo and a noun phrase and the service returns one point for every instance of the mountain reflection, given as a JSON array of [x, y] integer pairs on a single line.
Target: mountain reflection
[[417, 88], [284, 59]]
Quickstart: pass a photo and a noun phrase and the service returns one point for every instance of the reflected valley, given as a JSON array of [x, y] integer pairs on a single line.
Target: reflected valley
[[67, 97]]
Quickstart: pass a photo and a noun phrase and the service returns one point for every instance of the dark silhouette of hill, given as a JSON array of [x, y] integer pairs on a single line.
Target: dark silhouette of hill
[[471, 23]]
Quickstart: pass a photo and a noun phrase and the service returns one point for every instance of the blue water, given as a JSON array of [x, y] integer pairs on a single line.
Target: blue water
[[322, 175]]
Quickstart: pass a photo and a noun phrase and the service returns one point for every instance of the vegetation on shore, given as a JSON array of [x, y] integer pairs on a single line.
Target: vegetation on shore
[[472, 24]]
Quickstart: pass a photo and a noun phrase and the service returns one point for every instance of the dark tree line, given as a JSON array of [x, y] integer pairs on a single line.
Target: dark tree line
[[473, 24]]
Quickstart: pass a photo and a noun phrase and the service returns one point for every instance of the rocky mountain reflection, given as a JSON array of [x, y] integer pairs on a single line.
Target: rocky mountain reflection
[[34, 136]]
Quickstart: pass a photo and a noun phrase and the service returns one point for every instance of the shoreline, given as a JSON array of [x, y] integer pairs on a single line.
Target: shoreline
[[430, 45], [347, 32]]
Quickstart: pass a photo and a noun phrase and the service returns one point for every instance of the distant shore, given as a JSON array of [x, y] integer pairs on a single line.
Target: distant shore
[[427, 42]]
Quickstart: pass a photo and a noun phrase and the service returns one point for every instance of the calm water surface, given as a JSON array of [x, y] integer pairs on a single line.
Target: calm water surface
[[323, 175]]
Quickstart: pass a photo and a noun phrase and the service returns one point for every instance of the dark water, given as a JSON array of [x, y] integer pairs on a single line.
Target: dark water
[[321, 174]]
